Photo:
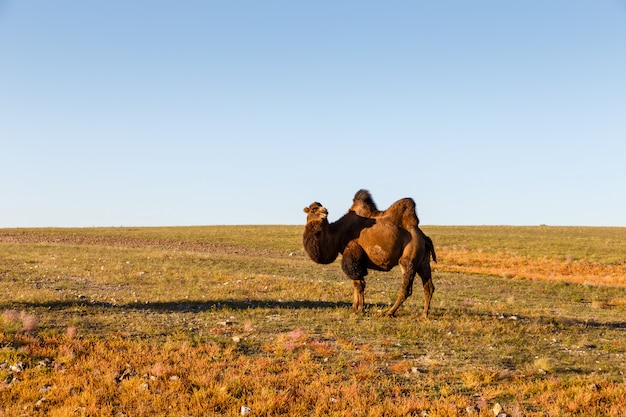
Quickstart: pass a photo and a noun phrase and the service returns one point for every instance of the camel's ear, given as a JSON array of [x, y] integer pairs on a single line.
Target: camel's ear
[[306, 210]]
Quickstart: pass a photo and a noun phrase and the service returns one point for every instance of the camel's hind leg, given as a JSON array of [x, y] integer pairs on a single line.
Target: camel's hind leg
[[408, 275], [429, 288]]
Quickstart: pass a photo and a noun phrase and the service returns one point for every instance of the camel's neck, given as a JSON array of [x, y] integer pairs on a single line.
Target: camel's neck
[[324, 242], [319, 243]]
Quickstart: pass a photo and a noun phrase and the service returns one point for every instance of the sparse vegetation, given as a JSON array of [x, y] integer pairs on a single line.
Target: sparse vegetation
[[202, 321]]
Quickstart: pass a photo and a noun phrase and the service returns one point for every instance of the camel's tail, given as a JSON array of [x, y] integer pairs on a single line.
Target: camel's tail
[[430, 247]]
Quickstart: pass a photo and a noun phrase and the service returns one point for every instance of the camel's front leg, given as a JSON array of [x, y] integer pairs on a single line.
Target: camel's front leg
[[353, 266], [359, 295]]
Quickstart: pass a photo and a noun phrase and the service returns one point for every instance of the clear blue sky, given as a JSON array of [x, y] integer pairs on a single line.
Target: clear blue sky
[[136, 113]]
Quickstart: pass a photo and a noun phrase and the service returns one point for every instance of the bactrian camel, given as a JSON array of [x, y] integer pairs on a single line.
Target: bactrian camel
[[369, 238]]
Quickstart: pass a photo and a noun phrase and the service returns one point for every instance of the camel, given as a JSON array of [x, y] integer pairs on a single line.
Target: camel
[[369, 238]]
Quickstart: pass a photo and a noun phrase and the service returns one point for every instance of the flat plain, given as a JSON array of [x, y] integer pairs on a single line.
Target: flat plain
[[236, 320]]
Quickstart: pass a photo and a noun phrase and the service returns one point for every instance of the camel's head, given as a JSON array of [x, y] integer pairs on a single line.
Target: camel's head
[[316, 212]]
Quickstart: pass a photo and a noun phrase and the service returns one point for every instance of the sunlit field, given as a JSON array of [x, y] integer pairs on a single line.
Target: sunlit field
[[236, 320]]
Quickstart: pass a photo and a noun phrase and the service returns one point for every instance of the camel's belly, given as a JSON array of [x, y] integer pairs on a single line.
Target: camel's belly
[[381, 258]]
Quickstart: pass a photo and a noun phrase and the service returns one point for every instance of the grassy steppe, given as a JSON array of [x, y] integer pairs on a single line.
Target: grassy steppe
[[202, 321]]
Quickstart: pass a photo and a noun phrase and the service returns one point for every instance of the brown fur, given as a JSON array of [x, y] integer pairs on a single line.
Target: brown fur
[[323, 241], [370, 239], [363, 204], [402, 210]]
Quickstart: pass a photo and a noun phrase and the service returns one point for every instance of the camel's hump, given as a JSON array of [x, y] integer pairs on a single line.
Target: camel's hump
[[365, 197]]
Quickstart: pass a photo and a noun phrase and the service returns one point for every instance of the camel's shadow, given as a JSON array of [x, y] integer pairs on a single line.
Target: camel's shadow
[[197, 306], [231, 304], [185, 306]]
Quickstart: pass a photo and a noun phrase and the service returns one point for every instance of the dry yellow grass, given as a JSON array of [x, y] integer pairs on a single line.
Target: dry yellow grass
[[585, 255], [523, 267], [204, 321]]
